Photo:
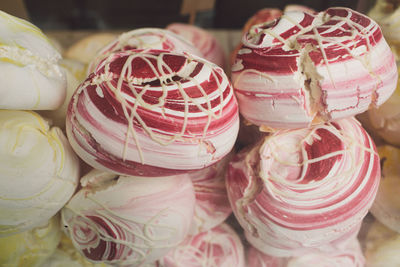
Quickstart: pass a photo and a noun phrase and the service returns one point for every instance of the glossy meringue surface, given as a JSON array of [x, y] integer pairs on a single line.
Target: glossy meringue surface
[[153, 112], [127, 220], [305, 190], [307, 68]]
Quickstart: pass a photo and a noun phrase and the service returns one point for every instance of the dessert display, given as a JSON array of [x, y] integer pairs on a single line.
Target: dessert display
[[145, 38], [212, 205], [128, 220], [382, 246], [304, 190], [294, 72], [205, 42], [31, 247], [33, 188], [86, 49], [134, 156], [153, 112], [219, 246], [31, 78], [386, 207]]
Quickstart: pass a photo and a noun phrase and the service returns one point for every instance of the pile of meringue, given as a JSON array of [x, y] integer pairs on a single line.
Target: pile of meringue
[[136, 149]]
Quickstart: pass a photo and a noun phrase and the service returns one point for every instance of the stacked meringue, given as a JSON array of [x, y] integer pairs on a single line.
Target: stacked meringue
[[302, 191], [156, 122], [39, 169]]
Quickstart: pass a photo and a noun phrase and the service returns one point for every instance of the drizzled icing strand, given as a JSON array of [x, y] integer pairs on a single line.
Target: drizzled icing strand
[[147, 100], [129, 220], [300, 190], [319, 67], [146, 38]]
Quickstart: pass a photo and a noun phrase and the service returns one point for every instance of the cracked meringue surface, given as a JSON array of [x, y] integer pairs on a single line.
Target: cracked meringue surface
[[31, 78], [39, 171], [307, 68], [305, 190], [153, 112], [128, 220]]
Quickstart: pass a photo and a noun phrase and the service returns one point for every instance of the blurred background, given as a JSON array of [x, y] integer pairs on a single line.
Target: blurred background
[[130, 14]]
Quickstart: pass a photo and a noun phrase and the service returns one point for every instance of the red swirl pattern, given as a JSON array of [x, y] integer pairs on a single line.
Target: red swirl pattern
[[304, 68], [153, 112], [306, 189]]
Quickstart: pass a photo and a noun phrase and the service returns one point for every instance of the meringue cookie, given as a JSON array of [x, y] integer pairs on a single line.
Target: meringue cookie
[[382, 246], [152, 113], [305, 190], [76, 74], [39, 171], [32, 247], [127, 220], [145, 38], [386, 207], [212, 204], [86, 49], [31, 78], [304, 69], [219, 246], [206, 43]]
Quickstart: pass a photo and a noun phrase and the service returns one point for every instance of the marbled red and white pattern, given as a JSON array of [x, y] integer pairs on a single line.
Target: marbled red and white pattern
[[307, 68], [217, 247], [207, 44], [153, 112], [212, 204], [146, 38], [127, 220], [350, 256], [305, 190]]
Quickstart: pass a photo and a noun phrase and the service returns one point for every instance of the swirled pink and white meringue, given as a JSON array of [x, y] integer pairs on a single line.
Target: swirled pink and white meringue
[[350, 256], [212, 204], [153, 112], [39, 171], [127, 220], [217, 247], [305, 190], [31, 78], [305, 68], [203, 40], [146, 38]]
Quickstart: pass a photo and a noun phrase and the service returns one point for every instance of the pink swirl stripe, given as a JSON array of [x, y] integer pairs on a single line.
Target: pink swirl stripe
[[153, 112], [217, 247], [305, 190], [305, 68]]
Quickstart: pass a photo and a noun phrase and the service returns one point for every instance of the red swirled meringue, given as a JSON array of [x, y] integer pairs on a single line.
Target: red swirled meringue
[[153, 112], [305, 190], [207, 44], [217, 247], [350, 256], [128, 220], [305, 68], [145, 38], [212, 204]]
